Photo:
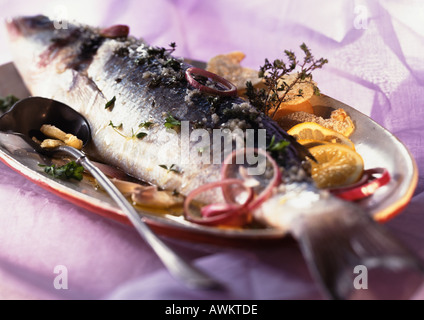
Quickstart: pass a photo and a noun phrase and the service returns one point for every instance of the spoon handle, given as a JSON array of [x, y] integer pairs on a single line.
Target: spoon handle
[[177, 267]]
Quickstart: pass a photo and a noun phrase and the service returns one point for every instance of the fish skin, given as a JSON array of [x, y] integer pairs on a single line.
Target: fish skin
[[79, 68], [86, 79]]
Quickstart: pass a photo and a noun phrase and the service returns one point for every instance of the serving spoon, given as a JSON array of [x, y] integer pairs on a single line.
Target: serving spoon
[[25, 119]]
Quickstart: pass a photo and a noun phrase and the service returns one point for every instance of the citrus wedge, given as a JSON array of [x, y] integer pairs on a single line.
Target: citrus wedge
[[337, 165], [286, 108], [309, 143], [312, 130]]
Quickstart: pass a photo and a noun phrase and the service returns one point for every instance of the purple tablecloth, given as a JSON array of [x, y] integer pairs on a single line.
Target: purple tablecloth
[[376, 65]]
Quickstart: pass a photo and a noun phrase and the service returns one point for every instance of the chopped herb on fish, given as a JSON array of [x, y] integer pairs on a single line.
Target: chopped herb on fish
[[115, 126], [170, 169], [122, 52], [111, 103], [140, 135], [171, 122], [118, 128], [71, 170], [7, 102], [146, 124], [279, 146]]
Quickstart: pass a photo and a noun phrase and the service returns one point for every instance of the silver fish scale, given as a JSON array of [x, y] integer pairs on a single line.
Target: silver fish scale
[[86, 71]]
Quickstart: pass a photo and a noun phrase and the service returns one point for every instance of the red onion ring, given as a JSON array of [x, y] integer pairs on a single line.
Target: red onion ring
[[219, 213], [231, 88], [116, 31], [266, 193], [365, 187]]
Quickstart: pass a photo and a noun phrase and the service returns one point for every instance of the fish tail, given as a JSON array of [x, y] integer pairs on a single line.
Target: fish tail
[[337, 243]]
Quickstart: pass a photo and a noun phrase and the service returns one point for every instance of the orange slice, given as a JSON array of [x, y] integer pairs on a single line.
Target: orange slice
[[297, 99], [310, 143], [286, 109], [337, 165], [312, 130]]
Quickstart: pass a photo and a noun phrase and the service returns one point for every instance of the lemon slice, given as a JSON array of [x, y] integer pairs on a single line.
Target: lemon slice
[[310, 143], [312, 130], [337, 165]]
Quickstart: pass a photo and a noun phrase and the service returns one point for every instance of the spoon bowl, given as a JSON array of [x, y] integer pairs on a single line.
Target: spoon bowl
[[26, 118], [28, 115]]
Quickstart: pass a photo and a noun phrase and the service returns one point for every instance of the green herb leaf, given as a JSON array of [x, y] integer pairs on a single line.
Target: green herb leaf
[[171, 122], [141, 135], [277, 147], [280, 146], [170, 169], [71, 170], [7, 102], [110, 104], [115, 126], [146, 124]]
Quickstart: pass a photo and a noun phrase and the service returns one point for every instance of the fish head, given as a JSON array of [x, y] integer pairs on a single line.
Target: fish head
[[28, 27], [29, 40], [30, 37], [33, 42], [42, 47]]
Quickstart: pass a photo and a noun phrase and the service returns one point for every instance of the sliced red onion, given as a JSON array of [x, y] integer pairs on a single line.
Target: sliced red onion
[[216, 209], [116, 31], [219, 213], [367, 185], [231, 88], [266, 193]]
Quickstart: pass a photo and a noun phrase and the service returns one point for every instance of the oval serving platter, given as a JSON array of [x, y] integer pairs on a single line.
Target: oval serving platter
[[377, 146]]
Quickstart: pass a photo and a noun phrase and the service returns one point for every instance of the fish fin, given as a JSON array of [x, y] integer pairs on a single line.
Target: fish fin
[[336, 244], [273, 129], [302, 151]]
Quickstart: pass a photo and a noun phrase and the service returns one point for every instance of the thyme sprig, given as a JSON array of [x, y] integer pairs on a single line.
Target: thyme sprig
[[273, 74], [172, 168], [134, 134]]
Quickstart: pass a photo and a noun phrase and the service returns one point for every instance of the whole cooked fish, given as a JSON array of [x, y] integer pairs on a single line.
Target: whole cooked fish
[[125, 87]]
